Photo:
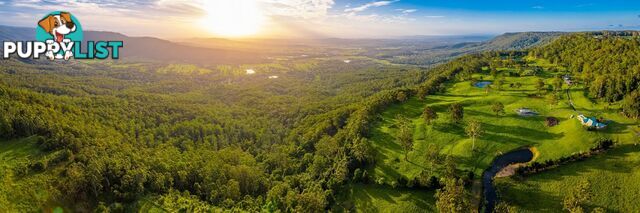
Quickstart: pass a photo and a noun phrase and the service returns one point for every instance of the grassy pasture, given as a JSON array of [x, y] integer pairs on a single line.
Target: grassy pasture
[[502, 133], [614, 179]]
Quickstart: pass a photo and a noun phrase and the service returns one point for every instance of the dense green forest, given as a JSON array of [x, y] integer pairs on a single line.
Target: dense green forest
[[608, 64], [122, 133], [132, 136]]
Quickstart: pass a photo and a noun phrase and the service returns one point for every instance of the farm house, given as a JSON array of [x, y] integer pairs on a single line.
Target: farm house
[[591, 122]]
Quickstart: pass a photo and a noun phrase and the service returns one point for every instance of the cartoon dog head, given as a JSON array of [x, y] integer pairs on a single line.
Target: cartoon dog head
[[58, 25]]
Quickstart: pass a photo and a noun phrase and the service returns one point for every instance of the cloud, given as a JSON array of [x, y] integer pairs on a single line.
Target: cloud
[[538, 7], [435, 16], [298, 8], [354, 14], [368, 5], [141, 16], [407, 11]]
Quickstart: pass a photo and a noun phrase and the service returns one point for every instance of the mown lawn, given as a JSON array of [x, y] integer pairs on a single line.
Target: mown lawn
[[502, 133], [614, 179]]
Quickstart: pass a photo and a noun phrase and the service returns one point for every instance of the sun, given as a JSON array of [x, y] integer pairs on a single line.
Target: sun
[[233, 18]]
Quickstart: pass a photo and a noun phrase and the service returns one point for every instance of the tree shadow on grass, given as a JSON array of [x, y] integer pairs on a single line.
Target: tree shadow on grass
[[505, 139], [528, 197], [451, 128], [389, 171], [522, 132], [386, 141], [611, 161], [457, 96], [480, 154], [616, 127], [369, 194], [531, 198], [508, 114]]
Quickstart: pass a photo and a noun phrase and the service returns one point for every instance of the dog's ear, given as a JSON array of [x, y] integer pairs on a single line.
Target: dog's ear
[[47, 23], [66, 16]]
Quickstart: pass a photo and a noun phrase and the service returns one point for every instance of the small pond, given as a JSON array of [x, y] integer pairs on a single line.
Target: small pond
[[489, 192], [482, 84]]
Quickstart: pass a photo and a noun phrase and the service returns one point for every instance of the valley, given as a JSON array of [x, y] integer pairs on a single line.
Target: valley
[[324, 127]]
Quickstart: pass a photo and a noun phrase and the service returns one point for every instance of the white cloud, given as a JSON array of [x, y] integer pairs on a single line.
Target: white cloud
[[435, 16], [368, 5], [408, 11], [538, 7], [298, 8]]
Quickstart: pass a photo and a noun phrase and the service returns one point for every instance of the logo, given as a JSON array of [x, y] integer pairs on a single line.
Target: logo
[[59, 36]]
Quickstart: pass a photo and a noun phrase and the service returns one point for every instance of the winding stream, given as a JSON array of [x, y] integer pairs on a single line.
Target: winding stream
[[489, 192]]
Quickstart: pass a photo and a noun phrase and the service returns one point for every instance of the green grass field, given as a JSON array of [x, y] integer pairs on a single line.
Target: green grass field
[[502, 133], [614, 179]]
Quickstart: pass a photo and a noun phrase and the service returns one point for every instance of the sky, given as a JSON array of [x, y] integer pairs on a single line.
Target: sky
[[329, 18]]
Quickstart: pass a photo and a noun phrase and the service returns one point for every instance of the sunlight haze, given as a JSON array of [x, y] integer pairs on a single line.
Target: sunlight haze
[[331, 18], [233, 18]]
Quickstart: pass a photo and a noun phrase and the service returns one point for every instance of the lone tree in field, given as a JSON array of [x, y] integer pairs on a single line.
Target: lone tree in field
[[517, 85], [405, 135], [577, 197], [453, 198], [449, 167], [474, 130], [401, 96], [540, 86], [499, 83], [557, 83], [553, 99], [494, 72], [432, 155], [457, 112], [497, 108], [631, 105], [429, 115]]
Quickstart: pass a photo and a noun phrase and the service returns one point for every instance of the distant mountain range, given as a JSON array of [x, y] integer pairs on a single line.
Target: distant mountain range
[[426, 49], [512, 41], [445, 52], [150, 49], [515, 41]]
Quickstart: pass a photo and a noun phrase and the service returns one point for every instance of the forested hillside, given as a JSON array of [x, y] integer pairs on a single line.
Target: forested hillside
[[608, 63], [125, 135], [420, 55], [520, 41], [151, 49]]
